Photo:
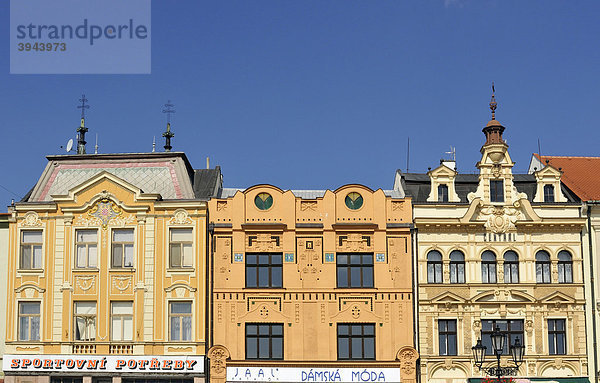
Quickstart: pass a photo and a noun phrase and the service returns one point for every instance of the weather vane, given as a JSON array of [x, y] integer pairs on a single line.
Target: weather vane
[[493, 103], [169, 110], [83, 106]]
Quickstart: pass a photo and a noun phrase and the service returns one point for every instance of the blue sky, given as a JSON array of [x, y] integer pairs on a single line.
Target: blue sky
[[317, 94]]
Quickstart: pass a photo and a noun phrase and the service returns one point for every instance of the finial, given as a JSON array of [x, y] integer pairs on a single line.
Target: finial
[[82, 129], [153, 144], [96, 146], [493, 103], [168, 134], [169, 110]]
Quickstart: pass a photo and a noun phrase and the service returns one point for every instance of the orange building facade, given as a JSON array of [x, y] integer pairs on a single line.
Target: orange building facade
[[310, 285]]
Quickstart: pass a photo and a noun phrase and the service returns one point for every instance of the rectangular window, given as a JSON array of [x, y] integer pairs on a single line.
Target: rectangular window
[[29, 321], [548, 193], [557, 337], [180, 320], [121, 321], [443, 193], [354, 270], [513, 328], [264, 270], [122, 248], [496, 190], [356, 341], [87, 248], [264, 341], [447, 336], [85, 321], [181, 248], [31, 250]]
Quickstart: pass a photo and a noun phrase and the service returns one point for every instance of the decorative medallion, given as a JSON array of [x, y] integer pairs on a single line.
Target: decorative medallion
[[263, 201], [31, 219], [500, 219], [105, 210], [354, 201], [180, 217]]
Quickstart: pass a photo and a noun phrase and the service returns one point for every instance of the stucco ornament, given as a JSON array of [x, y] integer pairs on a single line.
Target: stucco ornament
[[500, 219], [408, 358], [218, 361], [105, 210], [31, 219], [180, 217]]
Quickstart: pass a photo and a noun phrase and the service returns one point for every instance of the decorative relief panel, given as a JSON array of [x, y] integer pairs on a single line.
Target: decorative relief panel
[[353, 242], [180, 217], [263, 242], [501, 219], [85, 284], [122, 284], [310, 260], [31, 219]]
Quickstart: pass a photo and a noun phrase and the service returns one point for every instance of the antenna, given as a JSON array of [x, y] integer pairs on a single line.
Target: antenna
[[452, 153], [539, 149], [407, 153], [169, 110], [153, 144], [96, 146], [69, 145]]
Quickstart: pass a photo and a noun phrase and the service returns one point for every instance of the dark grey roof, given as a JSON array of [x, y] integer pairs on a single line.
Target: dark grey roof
[[207, 182], [418, 186]]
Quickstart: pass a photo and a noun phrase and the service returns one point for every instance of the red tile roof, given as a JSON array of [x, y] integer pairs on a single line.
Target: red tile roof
[[580, 174]]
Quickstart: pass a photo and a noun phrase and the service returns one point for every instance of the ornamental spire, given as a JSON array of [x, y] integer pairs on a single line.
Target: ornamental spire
[[82, 129], [168, 134], [493, 103]]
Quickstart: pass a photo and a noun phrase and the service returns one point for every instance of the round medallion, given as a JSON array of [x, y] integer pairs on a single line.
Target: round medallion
[[263, 201], [354, 201]]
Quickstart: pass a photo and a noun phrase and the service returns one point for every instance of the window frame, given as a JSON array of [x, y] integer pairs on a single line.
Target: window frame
[[549, 196], [443, 193], [435, 273], [553, 335], [122, 318], [563, 271], [180, 317], [513, 266], [87, 318], [181, 246], [455, 267], [351, 336], [30, 317], [87, 249], [546, 268], [31, 245], [486, 264], [446, 335], [122, 244], [259, 267], [271, 337], [510, 333], [368, 268], [497, 190]]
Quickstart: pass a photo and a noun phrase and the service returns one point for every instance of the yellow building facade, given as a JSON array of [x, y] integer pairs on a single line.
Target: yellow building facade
[[311, 285], [107, 272]]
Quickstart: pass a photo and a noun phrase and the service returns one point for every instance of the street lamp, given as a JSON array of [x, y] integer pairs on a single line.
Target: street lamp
[[517, 351]]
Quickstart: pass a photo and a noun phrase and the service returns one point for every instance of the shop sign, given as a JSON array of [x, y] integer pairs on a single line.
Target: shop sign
[[292, 374], [99, 363]]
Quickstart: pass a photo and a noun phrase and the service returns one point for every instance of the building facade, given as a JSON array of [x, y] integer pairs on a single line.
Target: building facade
[[107, 271], [497, 249], [3, 280], [311, 285]]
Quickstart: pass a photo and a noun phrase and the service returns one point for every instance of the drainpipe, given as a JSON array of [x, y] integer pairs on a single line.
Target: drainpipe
[[415, 288], [592, 288], [209, 297]]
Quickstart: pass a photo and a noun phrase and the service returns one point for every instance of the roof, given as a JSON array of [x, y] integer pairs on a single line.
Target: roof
[[580, 174], [207, 182], [418, 186], [304, 194]]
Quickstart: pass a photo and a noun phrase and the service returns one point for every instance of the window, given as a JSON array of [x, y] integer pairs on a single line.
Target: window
[[557, 337], [565, 267], [488, 267], [443, 193], [264, 270], [180, 248], [85, 321], [264, 341], [434, 267], [263, 201], [496, 190], [353, 201], [122, 248], [511, 267], [542, 267], [513, 328], [121, 321], [356, 341], [457, 267], [447, 336], [180, 320], [29, 321], [31, 249], [548, 193], [87, 248], [354, 270]]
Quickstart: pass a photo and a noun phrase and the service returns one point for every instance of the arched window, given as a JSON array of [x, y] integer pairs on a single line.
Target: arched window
[[434, 267], [511, 267], [443, 193], [548, 193], [488, 267], [457, 267], [565, 267], [542, 267]]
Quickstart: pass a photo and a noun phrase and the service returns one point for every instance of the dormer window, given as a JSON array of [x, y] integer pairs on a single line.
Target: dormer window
[[548, 193], [496, 190], [443, 193]]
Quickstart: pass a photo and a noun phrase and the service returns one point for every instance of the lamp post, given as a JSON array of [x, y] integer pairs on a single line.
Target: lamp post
[[498, 338]]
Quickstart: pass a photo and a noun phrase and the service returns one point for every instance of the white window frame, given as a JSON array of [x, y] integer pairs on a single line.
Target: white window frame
[[168, 312], [97, 243], [181, 266], [18, 321], [95, 316], [113, 243], [20, 255], [122, 317]]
